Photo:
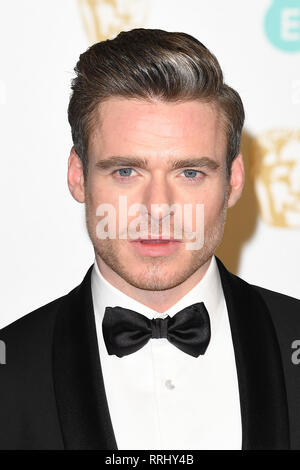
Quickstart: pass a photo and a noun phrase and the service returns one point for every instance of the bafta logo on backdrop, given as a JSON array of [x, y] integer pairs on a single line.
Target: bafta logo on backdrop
[[104, 19], [276, 172]]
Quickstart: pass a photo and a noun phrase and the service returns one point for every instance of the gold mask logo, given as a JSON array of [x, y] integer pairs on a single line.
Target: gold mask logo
[[276, 172], [104, 19]]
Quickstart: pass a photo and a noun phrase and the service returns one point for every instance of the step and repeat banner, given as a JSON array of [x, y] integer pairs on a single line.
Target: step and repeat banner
[[45, 250]]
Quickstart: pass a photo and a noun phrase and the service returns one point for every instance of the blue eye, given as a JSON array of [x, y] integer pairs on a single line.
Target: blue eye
[[191, 173], [126, 171]]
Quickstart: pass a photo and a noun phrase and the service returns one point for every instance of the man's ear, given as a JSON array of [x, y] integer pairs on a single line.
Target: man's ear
[[237, 180], [75, 176]]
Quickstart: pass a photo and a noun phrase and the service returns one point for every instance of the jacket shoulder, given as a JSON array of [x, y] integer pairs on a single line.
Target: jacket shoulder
[[271, 294], [285, 313], [28, 417], [34, 322], [31, 335], [282, 307]]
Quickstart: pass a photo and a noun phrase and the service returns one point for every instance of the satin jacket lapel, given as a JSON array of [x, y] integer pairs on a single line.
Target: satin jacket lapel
[[78, 382], [264, 407]]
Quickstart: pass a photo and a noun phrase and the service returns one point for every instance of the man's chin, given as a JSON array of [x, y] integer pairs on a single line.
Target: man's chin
[[146, 273], [152, 282], [157, 274]]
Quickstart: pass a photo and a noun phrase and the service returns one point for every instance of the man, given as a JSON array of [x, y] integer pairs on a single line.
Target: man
[[159, 347]]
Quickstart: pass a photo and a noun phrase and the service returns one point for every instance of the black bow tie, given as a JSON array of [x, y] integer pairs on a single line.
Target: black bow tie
[[126, 331]]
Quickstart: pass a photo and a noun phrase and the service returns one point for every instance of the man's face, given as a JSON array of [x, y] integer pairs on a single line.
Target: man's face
[[157, 134]]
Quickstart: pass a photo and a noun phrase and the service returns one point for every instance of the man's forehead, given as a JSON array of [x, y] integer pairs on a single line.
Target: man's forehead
[[119, 121], [132, 111]]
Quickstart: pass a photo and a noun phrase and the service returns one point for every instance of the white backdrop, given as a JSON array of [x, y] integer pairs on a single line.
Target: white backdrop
[[45, 250]]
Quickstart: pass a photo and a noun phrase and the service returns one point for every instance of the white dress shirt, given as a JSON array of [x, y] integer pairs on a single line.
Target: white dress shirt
[[162, 398]]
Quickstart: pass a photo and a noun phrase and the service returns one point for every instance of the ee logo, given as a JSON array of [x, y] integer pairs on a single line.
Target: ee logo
[[282, 24]]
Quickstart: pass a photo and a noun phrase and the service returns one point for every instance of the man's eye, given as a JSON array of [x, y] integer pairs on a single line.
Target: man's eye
[[193, 174], [124, 172]]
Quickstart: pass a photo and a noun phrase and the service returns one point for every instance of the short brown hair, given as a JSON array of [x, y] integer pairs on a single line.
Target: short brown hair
[[150, 63]]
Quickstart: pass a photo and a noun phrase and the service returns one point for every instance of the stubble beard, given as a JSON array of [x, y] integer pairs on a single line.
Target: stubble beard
[[156, 273]]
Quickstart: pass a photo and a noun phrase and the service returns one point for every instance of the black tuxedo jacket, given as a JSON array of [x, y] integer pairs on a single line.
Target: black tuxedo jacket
[[52, 393]]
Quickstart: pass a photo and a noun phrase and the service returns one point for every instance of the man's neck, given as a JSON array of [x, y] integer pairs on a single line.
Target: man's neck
[[160, 301]]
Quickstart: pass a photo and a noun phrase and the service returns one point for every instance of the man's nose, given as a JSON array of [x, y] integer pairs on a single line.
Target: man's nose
[[158, 197]]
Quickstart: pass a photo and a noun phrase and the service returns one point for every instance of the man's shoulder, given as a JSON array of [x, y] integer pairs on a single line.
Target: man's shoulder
[[279, 302], [43, 318], [29, 343], [284, 311], [277, 296], [30, 332], [35, 324], [276, 301]]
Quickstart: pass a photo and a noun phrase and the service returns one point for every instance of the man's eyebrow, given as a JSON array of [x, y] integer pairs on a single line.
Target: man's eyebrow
[[137, 162], [195, 162], [112, 162]]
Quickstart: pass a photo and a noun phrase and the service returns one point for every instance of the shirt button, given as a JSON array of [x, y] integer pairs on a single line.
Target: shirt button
[[169, 385]]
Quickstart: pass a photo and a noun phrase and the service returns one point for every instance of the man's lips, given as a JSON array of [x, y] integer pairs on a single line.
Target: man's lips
[[158, 246], [157, 239]]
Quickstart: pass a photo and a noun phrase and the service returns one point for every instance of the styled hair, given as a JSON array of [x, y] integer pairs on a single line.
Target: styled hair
[[150, 64]]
